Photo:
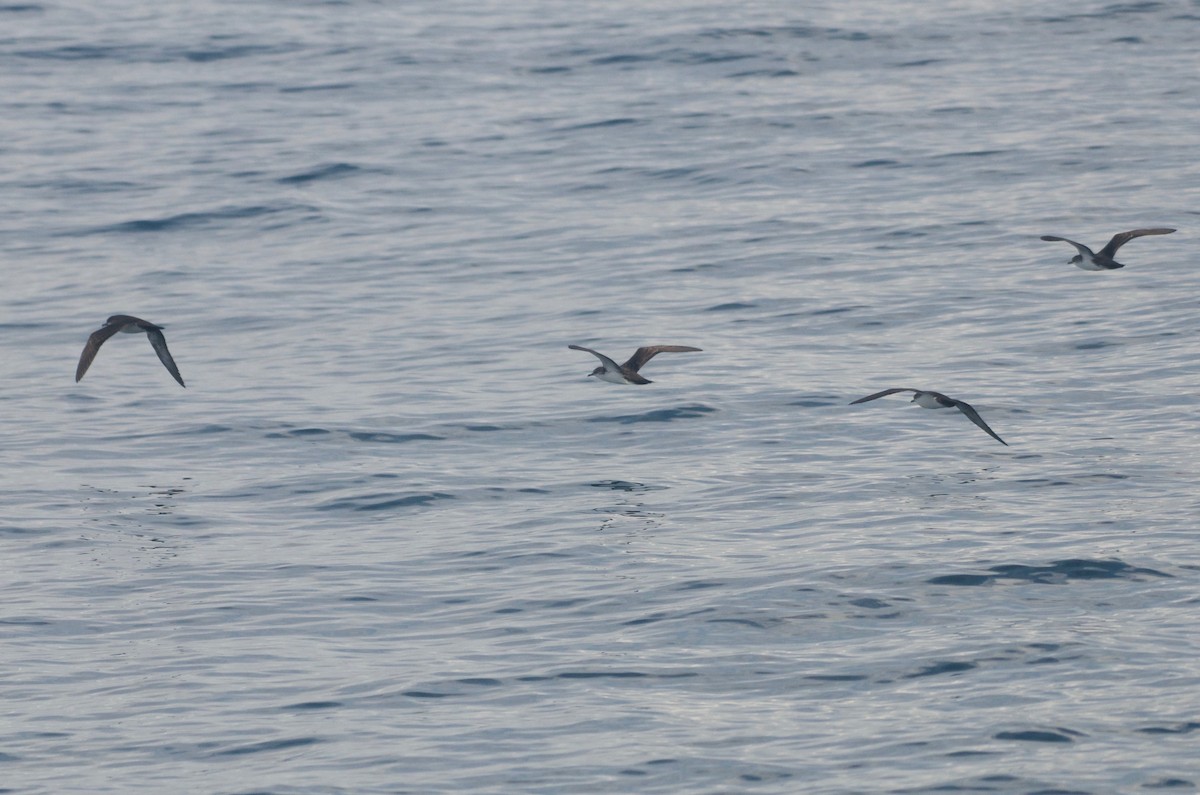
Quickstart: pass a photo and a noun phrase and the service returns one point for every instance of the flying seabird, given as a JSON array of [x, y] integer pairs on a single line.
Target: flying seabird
[[628, 373], [129, 325], [1102, 260], [936, 400]]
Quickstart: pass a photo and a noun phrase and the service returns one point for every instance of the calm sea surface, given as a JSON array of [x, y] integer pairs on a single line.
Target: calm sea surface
[[392, 539]]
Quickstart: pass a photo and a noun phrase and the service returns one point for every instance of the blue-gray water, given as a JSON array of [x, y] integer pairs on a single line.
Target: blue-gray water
[[392, 539]]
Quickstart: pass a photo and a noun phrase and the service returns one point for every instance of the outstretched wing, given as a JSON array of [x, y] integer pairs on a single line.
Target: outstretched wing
[[1117, 241], [648, 352], [92, 347], [1082, 249], [159, 342], [884, 393], [608, 363], [974, 417]]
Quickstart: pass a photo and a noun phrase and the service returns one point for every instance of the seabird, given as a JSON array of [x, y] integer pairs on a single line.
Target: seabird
[[628, 373], [1102, 260], [936, 400], [129, 325]]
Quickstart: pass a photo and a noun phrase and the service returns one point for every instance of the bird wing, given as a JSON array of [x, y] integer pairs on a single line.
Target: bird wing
[[98, 338], [159, 343], [1121, 239], [1082, 249], [884, 393], [974, 417], [648, 352], [607, 362]]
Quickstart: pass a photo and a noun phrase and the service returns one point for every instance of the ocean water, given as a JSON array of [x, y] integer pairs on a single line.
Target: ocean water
[[392, 539]]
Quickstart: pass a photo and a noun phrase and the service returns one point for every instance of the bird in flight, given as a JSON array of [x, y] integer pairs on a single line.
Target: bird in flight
[[628, 373], [1102, 260], [129, 325], [936, 400]]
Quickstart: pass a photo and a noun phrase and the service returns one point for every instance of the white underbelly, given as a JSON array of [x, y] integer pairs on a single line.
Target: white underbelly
[[928, 402]]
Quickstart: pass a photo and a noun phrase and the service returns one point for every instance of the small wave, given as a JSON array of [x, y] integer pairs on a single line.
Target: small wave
[[75, 184], [1058, 572], [315, 87], [208, 54], [943, 667], [618, 675], [383, 502], [298, 433], [1039, 736], [972, 153], [80, 52], [591, 125], [330, 171], [313, 705], [837, 310], [480, 681], [1178, 728], [961, 579], [1110, 11], [689, 57], [269, 745], [392, 438], [382, 437], [460, 687], [818, 401], [609, 60], [765, 73], [147, 54], [624, 485], [659, 415], [880, 163], [788, 31], [179, 221], [15, 530], [697, 585], [743, 622], [671, 173], [424, 694]]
